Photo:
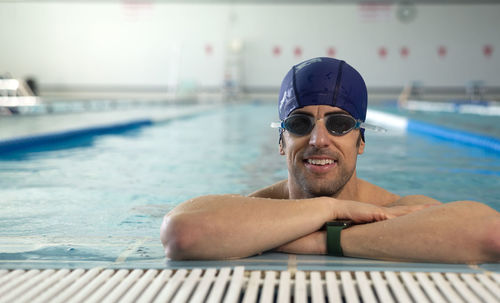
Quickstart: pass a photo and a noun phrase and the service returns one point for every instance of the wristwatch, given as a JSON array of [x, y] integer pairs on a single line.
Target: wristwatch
[[333, 230]]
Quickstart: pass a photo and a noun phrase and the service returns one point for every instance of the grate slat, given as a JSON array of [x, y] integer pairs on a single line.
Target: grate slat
[[267, 295], [300, 287], [219, 286], [16, 280], [202, 289], [317, 288], [50, 279], [233, 293], [59, 286], [187, 287], [365, 287], [380, 287], [496, 277], [229, 285], [461, 288], [348, 287], [138, 287], [11, 275], [26, 286], [108, 286], [252, 287], [124, 286], [490, 285], [332, 287], [445, 288], [414, 288], [155, 286], [168, 291], [478, 288], [429, 288], [284, 287], [64, 295], [398, 290]]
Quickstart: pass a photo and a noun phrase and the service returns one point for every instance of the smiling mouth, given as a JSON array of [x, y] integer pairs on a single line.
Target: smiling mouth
[[320, 162]]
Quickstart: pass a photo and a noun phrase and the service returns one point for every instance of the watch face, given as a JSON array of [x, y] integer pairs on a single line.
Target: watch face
[[345, 223]]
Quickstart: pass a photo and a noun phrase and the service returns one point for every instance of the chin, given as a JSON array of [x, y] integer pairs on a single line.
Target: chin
[[324, 191]]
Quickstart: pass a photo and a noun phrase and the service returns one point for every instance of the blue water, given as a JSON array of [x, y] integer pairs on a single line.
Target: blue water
[[116, 188]]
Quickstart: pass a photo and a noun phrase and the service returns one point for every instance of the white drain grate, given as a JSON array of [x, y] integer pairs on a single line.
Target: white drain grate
[[238, 285]]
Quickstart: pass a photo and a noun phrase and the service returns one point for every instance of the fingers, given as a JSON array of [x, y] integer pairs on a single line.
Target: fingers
[[360, 212], [365, 213]]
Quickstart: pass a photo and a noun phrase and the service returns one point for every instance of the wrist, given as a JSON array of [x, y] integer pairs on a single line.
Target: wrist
[[333, 237], [331, 208]]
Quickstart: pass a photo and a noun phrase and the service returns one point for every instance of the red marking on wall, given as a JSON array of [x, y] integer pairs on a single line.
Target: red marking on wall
[[487, 50], [209, 49], [297, 52], [276, 51], [382, 52], [331, 51], [442, 51], [137, 8], [404, 51], [375, 11]]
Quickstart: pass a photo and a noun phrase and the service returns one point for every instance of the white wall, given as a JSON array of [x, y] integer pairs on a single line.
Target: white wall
[[160, 44]]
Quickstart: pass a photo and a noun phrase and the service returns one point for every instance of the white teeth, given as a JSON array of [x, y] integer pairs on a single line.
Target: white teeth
[[320, 161]]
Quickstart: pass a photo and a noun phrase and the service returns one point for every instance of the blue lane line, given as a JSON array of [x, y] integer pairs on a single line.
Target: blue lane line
[[454, 135], [55, 137]]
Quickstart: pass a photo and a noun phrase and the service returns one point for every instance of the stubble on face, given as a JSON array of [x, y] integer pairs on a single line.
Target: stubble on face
[[317, 185], [330, 185]]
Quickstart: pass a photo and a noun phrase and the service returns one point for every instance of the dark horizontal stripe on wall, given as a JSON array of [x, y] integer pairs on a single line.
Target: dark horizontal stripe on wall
[[26, 142]]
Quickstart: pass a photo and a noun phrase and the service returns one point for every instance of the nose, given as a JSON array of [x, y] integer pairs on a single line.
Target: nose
[[319, 135]]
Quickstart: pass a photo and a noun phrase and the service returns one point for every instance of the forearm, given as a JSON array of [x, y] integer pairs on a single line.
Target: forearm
[[459, 232], [228, 226]]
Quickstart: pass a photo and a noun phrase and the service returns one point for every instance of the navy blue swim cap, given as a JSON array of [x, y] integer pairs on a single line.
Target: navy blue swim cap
[[323, 81]]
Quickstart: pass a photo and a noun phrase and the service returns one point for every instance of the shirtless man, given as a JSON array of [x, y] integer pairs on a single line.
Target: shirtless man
[[322, 106]]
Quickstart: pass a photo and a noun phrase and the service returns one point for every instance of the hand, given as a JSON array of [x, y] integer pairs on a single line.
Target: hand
[[360, 212]]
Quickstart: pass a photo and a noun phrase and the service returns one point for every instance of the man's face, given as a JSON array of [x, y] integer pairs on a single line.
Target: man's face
[[320, 164]]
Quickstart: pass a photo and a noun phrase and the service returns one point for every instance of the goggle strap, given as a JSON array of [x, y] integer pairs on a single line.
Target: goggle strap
[[277, 124], [372, 127]]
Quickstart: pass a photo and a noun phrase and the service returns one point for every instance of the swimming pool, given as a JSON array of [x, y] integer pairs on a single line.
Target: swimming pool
[[99, 200]]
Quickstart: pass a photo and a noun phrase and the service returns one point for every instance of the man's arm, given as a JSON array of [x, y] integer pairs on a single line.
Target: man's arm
[[414, 200], [233, 226], [457, 232]]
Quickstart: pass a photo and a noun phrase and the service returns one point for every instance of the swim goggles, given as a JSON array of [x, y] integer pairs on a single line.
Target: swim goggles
[[336, 124]]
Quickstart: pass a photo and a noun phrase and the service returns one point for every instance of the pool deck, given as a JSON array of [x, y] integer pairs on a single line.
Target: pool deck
[[17, 126], [147, 253]]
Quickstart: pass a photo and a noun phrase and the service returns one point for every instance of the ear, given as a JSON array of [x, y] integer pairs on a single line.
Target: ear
[[361, 147], [282, 152]]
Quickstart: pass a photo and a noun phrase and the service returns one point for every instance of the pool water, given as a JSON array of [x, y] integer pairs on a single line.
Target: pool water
[[90, 197]]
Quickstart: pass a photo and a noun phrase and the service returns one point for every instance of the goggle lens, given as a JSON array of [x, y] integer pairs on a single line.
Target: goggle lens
[[302, 125], [340, 124]]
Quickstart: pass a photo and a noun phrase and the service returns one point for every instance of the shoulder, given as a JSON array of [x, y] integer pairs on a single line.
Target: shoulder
[[373, 194], [415, 200], [276, 191]]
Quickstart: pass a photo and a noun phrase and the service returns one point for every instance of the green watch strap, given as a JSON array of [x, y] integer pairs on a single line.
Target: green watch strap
[[333, 239]]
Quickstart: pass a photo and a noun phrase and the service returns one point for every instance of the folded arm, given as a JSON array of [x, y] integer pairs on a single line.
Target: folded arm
[[457, 232], [233, 226]]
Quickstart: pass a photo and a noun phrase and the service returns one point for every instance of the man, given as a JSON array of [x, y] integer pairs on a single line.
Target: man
[[322, 106]]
